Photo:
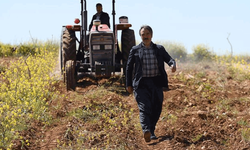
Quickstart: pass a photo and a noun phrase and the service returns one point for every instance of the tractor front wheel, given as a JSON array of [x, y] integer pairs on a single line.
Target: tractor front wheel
[[70, 78]]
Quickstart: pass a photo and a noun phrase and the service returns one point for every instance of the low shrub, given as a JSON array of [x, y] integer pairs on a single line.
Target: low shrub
[[28, 48], [5, 50], [176, 50], [202, 52]]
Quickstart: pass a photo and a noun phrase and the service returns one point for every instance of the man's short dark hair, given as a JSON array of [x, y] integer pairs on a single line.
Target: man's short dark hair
[[146, 27], [98, 4]]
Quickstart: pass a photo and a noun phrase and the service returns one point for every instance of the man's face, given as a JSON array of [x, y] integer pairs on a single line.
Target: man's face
[[146, 36], [99, 9]]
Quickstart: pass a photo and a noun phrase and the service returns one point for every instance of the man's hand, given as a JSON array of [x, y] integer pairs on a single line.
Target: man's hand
[[130, 89], [173, 68]]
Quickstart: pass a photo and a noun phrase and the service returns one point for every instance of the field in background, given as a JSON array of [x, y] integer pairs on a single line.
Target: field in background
[[206, 108]]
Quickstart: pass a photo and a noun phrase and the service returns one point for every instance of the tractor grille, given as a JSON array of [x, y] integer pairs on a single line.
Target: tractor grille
[[102, 39]]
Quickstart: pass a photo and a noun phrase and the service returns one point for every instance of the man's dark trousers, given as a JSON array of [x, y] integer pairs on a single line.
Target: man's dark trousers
[[149, 98]]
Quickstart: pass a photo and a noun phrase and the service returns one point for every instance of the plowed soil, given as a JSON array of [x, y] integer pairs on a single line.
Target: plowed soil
[[205, 108]]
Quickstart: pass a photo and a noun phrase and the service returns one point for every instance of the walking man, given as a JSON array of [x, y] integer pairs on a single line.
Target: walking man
[[146, 77]]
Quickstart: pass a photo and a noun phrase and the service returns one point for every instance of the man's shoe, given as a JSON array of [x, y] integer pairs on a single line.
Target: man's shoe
[[153, 137], [147, 136]]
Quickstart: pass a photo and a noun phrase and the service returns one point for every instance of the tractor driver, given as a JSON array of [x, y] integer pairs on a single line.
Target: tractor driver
[[102, 16]]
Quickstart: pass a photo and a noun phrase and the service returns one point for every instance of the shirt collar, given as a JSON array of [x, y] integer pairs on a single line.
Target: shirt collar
[[151, 45]]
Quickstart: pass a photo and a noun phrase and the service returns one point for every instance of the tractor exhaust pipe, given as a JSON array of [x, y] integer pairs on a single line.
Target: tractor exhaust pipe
[[84, 22], [113, 13]]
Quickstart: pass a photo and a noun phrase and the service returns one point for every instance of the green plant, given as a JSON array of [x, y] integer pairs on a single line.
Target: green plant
[[5, 50], [2, 68], [243, 122], [202, 52], [246, 134], [197, 137], [24, 94], [28, 48], [172, 118], [223, 104]]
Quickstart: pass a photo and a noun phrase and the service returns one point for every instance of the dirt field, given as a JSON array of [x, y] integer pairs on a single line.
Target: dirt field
[[207, 107]]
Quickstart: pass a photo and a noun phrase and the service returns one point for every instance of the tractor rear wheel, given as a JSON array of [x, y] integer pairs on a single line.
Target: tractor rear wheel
[[70, 78], [127, 42]]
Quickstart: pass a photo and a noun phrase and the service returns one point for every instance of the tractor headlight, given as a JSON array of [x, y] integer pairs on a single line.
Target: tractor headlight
[[108, 47], [96, 47]]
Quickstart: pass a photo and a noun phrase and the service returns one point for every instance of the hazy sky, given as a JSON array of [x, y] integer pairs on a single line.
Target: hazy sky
[[188, 22]]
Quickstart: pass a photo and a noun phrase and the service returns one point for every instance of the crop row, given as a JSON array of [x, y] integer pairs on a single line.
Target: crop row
[[25, 88]]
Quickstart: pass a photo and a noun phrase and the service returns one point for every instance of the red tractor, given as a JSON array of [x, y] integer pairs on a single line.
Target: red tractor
[[94, 52]]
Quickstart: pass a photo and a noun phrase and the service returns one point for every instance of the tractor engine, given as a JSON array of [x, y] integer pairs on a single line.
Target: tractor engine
[[101, 50]]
